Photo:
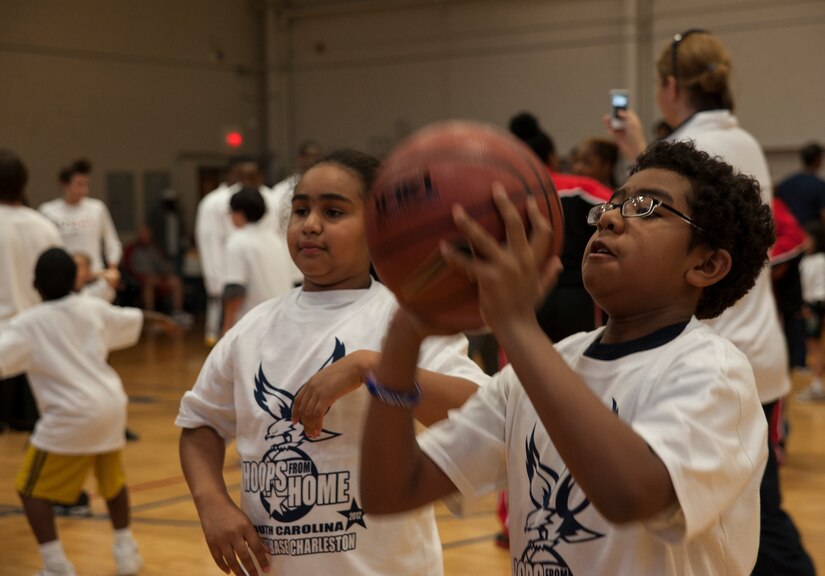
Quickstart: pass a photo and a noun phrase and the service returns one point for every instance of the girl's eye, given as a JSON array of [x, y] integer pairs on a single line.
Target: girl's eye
[[299, 211], [334, 213]]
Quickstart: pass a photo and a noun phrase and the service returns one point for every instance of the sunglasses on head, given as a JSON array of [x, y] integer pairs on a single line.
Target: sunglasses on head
[[674, 48]]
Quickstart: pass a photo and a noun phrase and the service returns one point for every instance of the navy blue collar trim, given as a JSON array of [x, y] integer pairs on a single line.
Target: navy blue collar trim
[[660, 337]]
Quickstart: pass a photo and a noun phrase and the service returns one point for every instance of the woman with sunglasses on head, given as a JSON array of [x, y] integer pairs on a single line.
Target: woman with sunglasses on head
[[694, 96]]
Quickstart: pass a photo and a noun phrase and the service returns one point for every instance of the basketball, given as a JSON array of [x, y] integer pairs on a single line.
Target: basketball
[[409, 211]]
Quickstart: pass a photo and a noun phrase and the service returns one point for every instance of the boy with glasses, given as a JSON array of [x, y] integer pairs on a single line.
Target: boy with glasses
[[637, 448]]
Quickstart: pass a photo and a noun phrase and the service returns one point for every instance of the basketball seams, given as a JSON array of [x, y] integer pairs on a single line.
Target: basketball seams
[[480, 210], [408, 211]]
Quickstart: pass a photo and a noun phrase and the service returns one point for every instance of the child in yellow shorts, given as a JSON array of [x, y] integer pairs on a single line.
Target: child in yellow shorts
[[62, 344]]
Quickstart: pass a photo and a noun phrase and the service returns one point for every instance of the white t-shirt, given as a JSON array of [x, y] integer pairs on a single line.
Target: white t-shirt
[[812, 275], [24, 236], [62, 345], [259, 260], [302, 495], [691, 398], [83, 226], [282, 193], [753, 322], [213, 226]]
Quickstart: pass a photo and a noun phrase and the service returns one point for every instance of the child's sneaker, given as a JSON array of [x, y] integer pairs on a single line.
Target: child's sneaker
[[128, 558], [184, 319], [813, 393]]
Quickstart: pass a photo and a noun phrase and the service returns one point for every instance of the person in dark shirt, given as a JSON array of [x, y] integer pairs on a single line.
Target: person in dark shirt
[[804, 192]]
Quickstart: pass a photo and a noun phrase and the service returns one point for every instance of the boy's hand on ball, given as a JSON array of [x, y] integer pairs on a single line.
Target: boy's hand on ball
[[513, 277]]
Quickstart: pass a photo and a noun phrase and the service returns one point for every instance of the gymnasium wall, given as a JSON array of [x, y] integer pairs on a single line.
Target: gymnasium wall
[[141, 88], [369, 74], [146, 88]]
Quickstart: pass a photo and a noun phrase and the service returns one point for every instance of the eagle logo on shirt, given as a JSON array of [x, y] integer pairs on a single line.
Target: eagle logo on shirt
[[287, 479], [552, 522]]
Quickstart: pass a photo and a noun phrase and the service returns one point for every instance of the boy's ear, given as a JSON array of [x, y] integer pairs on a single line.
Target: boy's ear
[[711, 269]]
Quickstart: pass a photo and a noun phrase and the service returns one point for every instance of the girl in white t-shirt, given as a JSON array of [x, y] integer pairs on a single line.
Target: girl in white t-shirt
[[286, 383]]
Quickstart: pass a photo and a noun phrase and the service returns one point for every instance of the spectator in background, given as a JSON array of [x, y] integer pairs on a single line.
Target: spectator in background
[[597, 158], [24, 235], [213, 225], [804, 191], [568, 308], [166, 222], [785, 256], [84, 222], [812, 272], [145, 263], [258, 264]]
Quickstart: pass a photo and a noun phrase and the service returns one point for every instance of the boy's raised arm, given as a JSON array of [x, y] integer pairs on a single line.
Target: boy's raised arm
[[228, 531], [395, 474], [614, 466]]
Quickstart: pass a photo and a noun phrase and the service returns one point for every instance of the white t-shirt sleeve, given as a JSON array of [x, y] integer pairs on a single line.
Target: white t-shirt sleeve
[[449, 355], [122, 326], [469, 446], [237, 266], [211, 402], [15, 351], [714, 445], [210, 234]]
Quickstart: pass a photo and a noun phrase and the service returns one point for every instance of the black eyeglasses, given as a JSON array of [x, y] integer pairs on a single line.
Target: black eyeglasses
[[674, 48], [636, 207]]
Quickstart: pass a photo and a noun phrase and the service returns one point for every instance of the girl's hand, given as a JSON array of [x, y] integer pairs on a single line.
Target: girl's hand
[[232, 539], [320, 392]]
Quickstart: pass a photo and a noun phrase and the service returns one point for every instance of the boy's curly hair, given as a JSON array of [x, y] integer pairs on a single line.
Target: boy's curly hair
[[728, 207]]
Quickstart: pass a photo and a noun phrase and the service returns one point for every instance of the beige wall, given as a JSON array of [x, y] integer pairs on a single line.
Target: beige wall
[[137, 86], [367, 74], [131, 85]]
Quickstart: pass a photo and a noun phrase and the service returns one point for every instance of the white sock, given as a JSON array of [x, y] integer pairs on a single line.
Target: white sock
[[124, 537], [816, 384], [53, 555]]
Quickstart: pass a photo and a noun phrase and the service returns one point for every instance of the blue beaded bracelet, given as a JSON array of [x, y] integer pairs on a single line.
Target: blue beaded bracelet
[[392, 397]]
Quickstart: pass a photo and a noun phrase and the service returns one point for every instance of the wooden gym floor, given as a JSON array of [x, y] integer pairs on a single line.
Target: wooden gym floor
[[161, 368]]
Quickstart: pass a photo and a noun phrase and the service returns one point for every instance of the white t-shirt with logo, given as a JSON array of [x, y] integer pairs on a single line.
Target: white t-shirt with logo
[[692, 399], [302, 494], [83, 226], [258, 259], [62, 345]]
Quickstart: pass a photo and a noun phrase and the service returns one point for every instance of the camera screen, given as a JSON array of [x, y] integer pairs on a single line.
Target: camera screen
[[619, 100]]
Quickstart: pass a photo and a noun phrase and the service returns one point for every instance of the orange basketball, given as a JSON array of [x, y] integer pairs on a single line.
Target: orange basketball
[[409, 211]]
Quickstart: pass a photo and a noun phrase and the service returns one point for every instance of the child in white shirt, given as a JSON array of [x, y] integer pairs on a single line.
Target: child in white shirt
[[62, 344]]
